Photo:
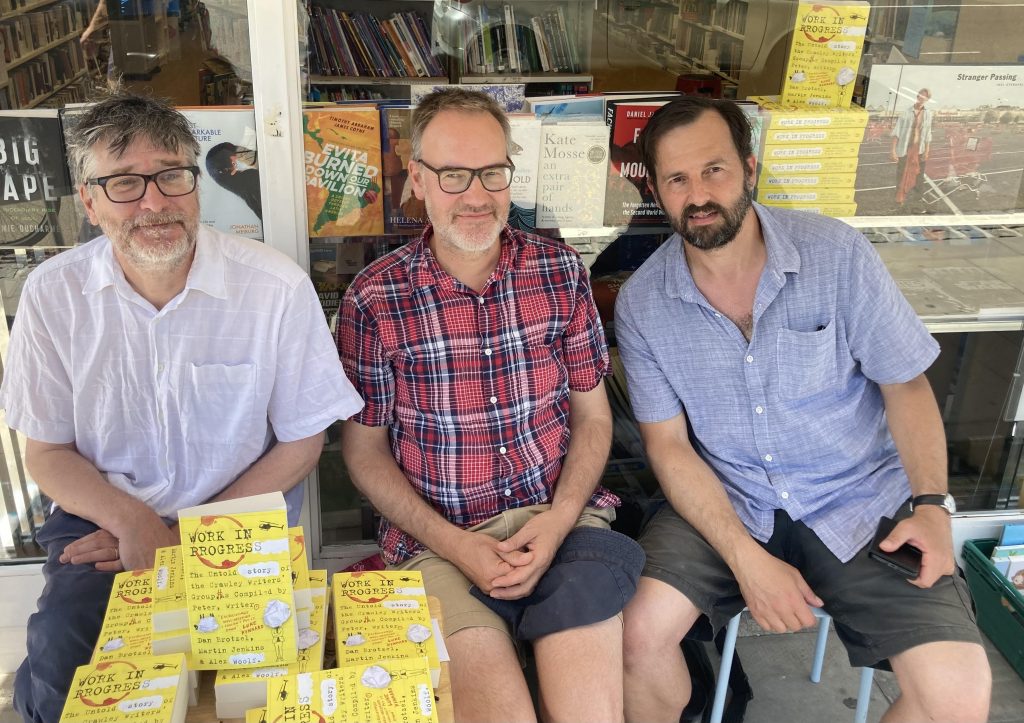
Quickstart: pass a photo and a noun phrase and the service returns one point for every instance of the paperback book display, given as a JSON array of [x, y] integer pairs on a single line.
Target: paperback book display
[[126, 630], [229, 189], [573, 172], [390, 690], [343, 181], [238, 583], [628, 199], [150, 689], [380, 615], [403, 212], [810, 156], [525, 156], [823, 59]]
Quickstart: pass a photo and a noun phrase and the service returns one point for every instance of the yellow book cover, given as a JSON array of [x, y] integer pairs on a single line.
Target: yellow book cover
[[837, 210], [150, 689], [256, 715], [126, 629], [238, 583], [342, 159], [825, 53], [812, 136], [239, 689], [807, 180], [805, 196], [795, 116], [380, 615], [385, 692], [809, 165], [317, 580], [809, 150], [169, 610], [300, 575]]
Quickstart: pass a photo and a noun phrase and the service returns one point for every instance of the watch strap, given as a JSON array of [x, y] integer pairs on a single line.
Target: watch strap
[[939, 500]]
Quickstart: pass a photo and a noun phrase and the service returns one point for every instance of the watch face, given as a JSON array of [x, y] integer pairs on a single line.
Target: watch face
[[949, 504]]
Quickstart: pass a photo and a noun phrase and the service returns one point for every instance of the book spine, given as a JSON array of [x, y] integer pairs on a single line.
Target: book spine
[[510, 39], [542, 49], [402, 28], [423, 35]]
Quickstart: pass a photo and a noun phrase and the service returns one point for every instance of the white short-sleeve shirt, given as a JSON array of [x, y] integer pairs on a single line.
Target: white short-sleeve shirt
[[173, 405]]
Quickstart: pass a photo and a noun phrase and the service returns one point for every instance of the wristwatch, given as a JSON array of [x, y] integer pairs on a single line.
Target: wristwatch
[[945, 501]]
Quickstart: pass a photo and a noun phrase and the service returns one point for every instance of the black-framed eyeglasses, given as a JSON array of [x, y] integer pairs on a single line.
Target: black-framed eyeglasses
[[457, 180], [128, 187]]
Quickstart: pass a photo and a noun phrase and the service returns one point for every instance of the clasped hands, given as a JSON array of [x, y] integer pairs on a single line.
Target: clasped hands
[[134, 550]]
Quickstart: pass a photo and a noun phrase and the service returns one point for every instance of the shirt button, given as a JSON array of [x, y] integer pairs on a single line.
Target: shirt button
[[502, 450], [759, 410], [487, 352], [749, 359], [784, 495], [768, 458], [508, 493], [494, 400], [480, 299], [717, 315]]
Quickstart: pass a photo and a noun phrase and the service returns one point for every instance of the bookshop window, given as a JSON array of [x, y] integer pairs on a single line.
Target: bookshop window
[[57, 53]]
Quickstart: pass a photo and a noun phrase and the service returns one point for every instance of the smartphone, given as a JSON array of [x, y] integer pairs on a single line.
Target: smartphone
[[906, 559]]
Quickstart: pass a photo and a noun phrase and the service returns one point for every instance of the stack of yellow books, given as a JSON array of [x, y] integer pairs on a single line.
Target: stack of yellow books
[[382, 615], [809, 160], [148, 689], [386, 691]]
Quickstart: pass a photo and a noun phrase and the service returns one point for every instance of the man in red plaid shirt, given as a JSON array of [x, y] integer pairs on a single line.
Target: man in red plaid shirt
[[480, 356]]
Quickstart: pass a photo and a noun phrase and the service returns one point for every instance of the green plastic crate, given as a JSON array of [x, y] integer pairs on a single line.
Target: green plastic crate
[[1000, 606]]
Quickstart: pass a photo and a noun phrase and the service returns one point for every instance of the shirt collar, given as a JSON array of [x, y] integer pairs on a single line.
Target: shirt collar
[[425, 271], [206, 273], [782, 258]]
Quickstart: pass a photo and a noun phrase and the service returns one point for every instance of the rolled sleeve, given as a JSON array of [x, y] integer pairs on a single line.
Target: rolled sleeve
[[884, 332], [311, 390], [584, 349]]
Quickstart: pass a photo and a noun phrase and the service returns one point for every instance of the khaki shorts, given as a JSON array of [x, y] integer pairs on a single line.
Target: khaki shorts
[[446, 582]]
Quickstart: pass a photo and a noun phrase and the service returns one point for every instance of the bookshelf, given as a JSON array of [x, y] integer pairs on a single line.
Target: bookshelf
[[41, 60]]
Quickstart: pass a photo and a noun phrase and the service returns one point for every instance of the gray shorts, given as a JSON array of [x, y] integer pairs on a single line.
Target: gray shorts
[[877, 613]]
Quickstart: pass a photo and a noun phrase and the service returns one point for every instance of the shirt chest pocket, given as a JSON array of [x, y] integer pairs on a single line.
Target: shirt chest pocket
[[217, 403], [806, 361]]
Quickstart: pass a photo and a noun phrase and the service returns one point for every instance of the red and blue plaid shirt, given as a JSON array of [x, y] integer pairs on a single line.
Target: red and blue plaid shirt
[[475, 387]]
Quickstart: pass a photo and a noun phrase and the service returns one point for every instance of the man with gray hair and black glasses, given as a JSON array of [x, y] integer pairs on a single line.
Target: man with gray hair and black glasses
[[159, 366]]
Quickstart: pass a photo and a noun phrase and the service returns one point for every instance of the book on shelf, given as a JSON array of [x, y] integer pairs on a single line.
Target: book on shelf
[[389, 690], [36, 183], [150, 689], [382, 615], [825, 53], [238, 583], [573, 158], [516, 39], [300, 576], [402, 210], [342, 167], [525, 156], [629, 200], [229, 194]]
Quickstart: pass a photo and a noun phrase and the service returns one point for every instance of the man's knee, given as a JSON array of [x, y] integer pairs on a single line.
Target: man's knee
[[946, 681], [655, 621]]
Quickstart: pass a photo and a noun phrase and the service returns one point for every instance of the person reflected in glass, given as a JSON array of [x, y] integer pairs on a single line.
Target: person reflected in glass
[[911, 146]]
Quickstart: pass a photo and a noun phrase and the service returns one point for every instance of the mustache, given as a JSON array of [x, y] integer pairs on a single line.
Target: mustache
[[154, 219], [710, 206], [489, 208]]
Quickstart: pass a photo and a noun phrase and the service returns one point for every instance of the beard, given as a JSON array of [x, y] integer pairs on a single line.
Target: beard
[[717, 235], [473, 238], [147, 250]]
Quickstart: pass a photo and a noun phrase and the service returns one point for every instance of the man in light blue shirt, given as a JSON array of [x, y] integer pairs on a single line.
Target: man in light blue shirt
[[778, 377]]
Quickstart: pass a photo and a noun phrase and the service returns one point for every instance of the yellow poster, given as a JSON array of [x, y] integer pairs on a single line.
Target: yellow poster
[[827, 44]]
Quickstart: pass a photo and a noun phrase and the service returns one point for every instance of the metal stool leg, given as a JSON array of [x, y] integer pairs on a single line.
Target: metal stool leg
[[824, 622], [722, 684], [864, 695]]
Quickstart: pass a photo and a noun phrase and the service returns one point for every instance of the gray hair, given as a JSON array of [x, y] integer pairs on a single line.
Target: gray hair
[[456, 99], [119, 120]]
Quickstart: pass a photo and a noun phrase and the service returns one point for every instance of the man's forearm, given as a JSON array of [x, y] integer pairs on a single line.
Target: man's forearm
[[916, 428], [282, 467], [77, 487], [376, 474], [585, 460]]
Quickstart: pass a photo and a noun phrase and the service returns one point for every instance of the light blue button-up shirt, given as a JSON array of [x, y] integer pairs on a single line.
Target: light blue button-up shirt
[[794, 420]]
